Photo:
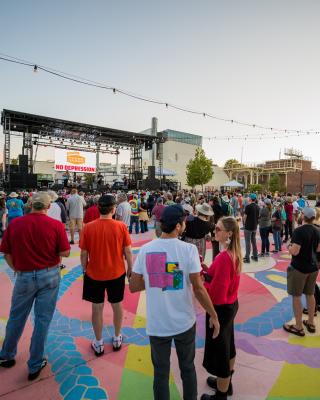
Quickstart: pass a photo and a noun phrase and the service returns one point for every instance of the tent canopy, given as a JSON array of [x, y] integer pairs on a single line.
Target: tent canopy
[[233, 184], [165, 172]]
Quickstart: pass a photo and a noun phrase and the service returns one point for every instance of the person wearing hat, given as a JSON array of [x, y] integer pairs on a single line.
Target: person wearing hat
[[303, 271], [54, 210], [250, 221], [33, 246], [103, 244], [199, 227], [14, 206], [166, 268]]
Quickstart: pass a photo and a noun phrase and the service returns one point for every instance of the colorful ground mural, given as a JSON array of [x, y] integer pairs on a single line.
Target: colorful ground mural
[[270, 365]]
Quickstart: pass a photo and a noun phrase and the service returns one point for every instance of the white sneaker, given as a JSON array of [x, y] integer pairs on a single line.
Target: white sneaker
[[97, 348], [117, 342]]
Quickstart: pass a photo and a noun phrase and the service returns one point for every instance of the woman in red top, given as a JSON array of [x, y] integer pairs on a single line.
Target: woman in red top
[[222, 282]]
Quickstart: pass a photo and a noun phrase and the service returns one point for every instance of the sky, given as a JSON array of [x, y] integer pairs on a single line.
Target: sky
[[256, 61]]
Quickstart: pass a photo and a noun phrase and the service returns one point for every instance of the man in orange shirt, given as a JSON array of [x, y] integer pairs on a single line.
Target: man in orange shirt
[[103, 244]]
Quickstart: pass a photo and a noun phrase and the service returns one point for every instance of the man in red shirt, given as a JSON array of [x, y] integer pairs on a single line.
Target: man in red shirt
[[92, 212], [33, 246]]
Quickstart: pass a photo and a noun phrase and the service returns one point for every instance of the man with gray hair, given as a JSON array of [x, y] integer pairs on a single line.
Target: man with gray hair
[[32, 247], [123, 211]]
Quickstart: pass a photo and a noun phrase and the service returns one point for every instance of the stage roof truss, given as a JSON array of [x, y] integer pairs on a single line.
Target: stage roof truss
[[52, 128]]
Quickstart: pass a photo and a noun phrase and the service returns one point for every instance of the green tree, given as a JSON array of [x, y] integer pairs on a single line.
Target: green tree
[[255, 188], [14, 161], [232, 163], [199, 169], [275, 184]]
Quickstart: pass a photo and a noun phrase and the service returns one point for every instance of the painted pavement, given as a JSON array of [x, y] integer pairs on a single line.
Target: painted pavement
[[270, 365]]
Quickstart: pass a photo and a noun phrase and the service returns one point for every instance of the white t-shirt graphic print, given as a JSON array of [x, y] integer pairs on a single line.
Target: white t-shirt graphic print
[[165, 265]]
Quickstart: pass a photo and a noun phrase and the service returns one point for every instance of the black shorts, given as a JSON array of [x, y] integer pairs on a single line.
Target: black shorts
[[93, 290]]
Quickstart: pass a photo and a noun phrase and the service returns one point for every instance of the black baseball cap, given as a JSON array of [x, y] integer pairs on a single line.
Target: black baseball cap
[[172, 215]]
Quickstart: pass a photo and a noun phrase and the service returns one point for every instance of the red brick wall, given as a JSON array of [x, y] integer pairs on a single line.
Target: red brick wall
[[296, 180]]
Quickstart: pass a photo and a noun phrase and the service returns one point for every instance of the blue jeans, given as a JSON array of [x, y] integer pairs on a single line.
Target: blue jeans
[[134, 220], [41, 288], [277, 240]]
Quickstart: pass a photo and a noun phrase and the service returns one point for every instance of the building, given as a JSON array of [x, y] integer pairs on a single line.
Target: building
[[295, 171]]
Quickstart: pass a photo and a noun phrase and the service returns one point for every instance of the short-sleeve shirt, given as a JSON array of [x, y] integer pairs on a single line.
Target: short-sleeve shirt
[[252, 213], [75, 204], [34, 241], [308, 237], [124, 212], [105, 240], [15, 207], [165, 265]]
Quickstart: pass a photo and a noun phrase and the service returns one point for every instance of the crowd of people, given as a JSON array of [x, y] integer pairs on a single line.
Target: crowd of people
[[170, 268]]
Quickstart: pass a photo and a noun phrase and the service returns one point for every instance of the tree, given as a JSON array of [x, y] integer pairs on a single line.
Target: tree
[[255, 188], [14, 161], [199, 169], [232, 163], [275, 183]]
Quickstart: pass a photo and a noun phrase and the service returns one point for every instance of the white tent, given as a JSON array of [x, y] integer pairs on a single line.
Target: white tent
[[233, 184], [165, 172]]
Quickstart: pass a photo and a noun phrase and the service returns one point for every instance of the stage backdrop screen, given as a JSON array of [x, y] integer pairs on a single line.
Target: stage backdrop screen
[[75, 161]]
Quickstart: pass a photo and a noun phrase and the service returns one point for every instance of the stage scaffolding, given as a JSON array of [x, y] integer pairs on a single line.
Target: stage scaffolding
[[37, 130]]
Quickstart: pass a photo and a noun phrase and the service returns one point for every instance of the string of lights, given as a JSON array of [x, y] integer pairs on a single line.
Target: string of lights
[[277, 132]]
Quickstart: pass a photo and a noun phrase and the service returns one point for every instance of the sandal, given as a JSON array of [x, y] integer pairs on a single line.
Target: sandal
[[305, 311], [295, 331], [310, 327]]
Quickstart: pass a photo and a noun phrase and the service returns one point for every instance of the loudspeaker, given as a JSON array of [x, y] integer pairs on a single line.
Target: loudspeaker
[[138, 175], [151, 172], [14, 169], [23, 163], [23, 181], [148, 145]]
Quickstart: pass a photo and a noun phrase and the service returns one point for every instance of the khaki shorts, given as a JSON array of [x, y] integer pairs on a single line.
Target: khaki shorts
[[76, 222], [299, 283]]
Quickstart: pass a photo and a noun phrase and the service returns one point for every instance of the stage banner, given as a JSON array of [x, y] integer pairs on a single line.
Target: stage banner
[[75, 161]]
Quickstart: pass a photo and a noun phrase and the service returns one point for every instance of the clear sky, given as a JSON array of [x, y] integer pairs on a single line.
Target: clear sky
[[256, 61]]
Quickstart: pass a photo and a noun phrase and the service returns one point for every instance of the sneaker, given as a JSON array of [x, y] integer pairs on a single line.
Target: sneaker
[[246, 260], [274, 251], [117, 343], [97, 348], [7, 363], [261, 255], [254, 258], [71, 242], [267, 254], [34, 375]]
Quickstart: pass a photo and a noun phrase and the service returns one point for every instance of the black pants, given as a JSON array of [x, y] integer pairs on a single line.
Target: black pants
[[265, 244], [215, 249], [288, 230], [160, 355]]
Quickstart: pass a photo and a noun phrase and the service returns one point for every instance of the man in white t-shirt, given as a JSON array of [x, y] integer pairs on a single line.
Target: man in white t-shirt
[[166, 268], [123, 211]]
